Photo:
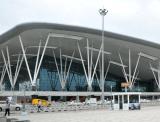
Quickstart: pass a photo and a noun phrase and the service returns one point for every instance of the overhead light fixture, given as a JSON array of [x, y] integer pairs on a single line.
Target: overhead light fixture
[[148, 56], [15, 60], [50, 47], [72, 57], [25, 54], [155, 70], [97, 50], [8, 64], [116, 63], [65, 36]]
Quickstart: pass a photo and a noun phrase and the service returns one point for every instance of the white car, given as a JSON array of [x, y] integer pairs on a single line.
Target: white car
[[13, 106], [105, 102], [72, 103], [91, 101]]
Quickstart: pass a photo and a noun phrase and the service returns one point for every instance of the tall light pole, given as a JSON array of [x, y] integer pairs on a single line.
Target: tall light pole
[[111, 96], [102, 12]]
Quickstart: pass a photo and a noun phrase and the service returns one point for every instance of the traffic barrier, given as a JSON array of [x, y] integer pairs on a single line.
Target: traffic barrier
[[65, 107]]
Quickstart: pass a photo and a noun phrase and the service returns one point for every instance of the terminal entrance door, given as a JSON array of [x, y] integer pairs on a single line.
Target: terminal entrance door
[[121, 102], [116, 102], [126, 101]]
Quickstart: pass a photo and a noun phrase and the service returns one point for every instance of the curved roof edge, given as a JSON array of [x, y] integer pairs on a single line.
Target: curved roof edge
[[39, 25]]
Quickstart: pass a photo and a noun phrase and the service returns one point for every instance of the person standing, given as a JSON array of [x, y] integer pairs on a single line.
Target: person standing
[[39, 105], [23, 106], [7, 109]]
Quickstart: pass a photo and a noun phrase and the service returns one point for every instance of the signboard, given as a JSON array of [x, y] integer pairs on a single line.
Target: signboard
[[124, 84]]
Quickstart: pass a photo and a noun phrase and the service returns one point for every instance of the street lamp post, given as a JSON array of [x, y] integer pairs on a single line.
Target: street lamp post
[[111, 98], [24, 102], [102, 12]]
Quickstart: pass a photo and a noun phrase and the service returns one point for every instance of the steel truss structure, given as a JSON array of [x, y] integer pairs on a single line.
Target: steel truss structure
[[93, 62]]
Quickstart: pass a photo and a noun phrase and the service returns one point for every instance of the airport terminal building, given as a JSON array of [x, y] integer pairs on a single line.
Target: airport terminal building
[[54, 57]]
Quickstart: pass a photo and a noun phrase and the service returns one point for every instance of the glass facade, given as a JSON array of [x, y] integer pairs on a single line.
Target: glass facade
[[48, 78]]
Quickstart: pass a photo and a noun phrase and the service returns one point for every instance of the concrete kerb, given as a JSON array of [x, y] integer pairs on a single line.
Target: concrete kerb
[[3, 119], [11, 119], [20, 121]]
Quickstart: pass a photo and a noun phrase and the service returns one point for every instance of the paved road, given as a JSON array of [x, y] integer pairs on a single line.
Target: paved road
[[148, 114]]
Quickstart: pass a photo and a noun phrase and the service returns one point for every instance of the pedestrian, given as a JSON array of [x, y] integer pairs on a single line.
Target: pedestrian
[[39, 105], [7, 109], [23, 106]]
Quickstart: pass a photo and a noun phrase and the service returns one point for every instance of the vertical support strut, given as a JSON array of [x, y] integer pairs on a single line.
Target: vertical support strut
[[3, 74], [159, 75], [155, 76], [63, 74], [6, 65], [130, 66], [18, 67], [37, 59], [57, 68], [107, 70], [9, 69], [132, 84], [135, 68], [88, 56], [123, 68], [96, 64], [62, 77], [9, 64], [69, 66], [89, 75], [65, 66], [37, 67], [40, 62], [25, 58], [85, 72]]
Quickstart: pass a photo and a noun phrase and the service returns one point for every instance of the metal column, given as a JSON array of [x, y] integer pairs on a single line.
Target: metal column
[[103, 12]]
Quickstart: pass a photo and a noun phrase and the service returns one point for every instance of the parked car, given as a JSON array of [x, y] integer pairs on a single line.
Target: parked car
[[91, 101], [74, 103], [13, 106], [145, 101], [134, 106], [105, 102]]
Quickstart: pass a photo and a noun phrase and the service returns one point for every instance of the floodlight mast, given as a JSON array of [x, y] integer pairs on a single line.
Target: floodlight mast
[[102, 12]]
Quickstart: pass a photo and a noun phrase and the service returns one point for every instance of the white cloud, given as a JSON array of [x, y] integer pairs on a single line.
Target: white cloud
[[138, 18]]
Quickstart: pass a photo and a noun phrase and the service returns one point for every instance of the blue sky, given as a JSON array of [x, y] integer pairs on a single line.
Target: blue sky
[[137, 18]]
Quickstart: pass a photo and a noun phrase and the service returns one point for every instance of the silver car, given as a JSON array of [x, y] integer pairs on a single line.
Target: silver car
[[13, 106], [134, 106]]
